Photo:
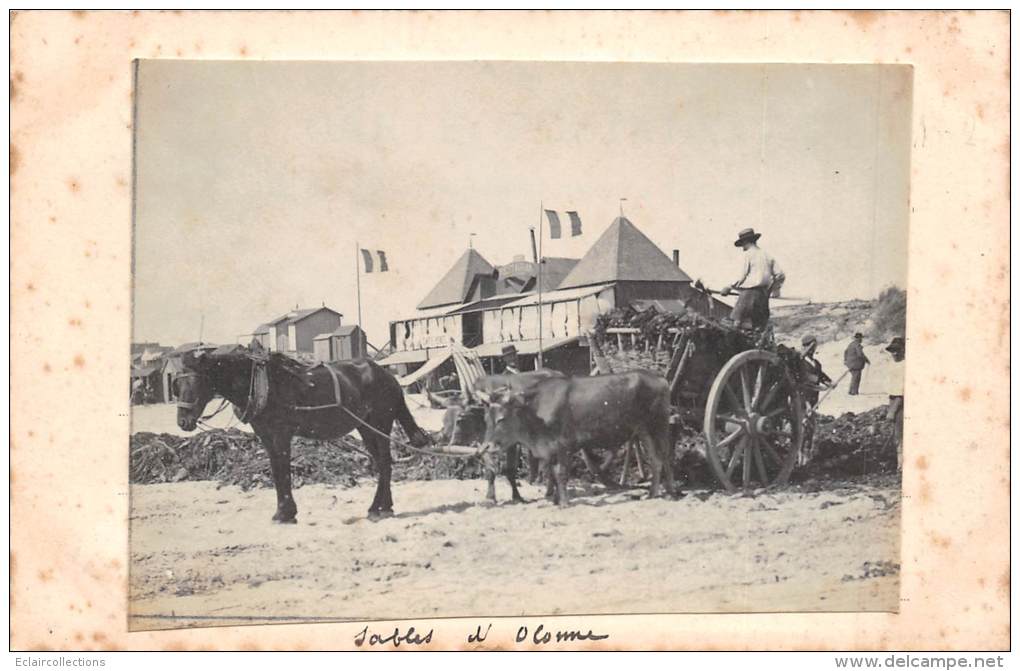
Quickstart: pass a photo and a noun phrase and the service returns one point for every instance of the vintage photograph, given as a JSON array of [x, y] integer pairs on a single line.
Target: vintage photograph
[[443, 339]]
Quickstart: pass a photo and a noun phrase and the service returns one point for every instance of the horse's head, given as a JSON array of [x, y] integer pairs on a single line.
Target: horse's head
[[194, 386]]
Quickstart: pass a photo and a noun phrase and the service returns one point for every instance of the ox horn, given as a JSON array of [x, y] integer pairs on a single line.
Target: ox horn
[[483, 396]]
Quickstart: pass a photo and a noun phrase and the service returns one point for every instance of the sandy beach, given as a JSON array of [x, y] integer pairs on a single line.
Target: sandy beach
[[203, 555]]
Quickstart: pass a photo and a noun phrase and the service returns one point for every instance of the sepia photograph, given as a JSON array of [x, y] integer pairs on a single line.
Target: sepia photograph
[[439, 339], [572, 331]]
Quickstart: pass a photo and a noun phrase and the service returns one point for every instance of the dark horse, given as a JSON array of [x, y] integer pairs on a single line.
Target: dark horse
[[281, 398]]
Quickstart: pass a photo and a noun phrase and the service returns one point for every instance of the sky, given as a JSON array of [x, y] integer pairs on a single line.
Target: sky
[[255, 182]]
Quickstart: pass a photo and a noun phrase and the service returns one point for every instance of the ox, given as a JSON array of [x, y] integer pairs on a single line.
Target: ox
[[555, 416], [466, 425]]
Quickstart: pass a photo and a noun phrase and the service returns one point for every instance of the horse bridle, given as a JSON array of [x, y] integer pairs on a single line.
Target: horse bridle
[[185, 404], [247, 406]]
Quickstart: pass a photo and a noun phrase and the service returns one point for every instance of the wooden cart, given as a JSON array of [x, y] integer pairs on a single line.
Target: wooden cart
[[744, 393]]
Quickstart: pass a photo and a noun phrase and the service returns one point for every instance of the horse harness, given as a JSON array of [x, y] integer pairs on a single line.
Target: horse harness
[[336, 389], [258, 392], [258, 396]]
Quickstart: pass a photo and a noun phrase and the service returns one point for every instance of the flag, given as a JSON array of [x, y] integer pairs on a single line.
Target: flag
[[554, 223], [366, 255], [575, 224]]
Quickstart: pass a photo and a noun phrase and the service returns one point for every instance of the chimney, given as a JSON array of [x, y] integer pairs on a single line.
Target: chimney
[[676, 258]]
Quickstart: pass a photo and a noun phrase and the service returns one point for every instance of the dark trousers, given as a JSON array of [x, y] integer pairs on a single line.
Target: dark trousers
[[896, 411], [855, 381], [752, 308]]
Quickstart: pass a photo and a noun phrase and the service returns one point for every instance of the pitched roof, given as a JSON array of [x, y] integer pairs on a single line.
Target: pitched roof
[[456, 283], [623, 253], [261, 330], [345, 330], [294, 316], [555, 269]]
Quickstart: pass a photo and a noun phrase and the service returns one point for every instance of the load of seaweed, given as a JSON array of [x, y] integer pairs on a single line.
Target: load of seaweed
[[631, 338]]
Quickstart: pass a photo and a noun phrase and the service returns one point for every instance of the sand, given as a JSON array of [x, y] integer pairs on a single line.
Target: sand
[[202, 556]]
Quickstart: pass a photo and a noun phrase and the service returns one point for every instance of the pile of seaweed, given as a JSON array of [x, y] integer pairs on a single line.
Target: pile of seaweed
[[235, 457], [851, 445]]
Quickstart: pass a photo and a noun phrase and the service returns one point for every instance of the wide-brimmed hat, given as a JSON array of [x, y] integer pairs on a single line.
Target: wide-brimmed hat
[[808, 340], [509, 350], [896, 345], [858, 336], [746, 235]]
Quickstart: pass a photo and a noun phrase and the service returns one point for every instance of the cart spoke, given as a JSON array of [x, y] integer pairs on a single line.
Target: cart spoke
[[733, 457], [748, 446], [760, 461], [759, 382], [770, 394], [776, 412], [730, 438], [745, 388]]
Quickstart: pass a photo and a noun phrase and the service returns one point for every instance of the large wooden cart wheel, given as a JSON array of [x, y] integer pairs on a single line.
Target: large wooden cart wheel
[[753, 421]]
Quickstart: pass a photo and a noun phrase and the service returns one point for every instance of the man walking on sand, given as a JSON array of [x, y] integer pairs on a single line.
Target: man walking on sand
[[855, 360], [760, 278]]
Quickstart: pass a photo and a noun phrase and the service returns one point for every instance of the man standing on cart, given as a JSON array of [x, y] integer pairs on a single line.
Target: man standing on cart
[[760, 278]]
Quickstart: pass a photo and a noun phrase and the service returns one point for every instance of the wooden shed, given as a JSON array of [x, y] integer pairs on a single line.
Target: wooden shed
[[342, 344]]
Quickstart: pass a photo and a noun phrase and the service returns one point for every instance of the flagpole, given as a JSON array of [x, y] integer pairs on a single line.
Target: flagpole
[[357, 273], [539, 362]]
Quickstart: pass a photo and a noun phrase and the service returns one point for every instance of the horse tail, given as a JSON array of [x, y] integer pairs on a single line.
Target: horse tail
[[417, 435]]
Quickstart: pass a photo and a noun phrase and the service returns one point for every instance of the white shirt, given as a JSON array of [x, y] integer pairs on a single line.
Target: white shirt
[[760, 269], [896, 375]]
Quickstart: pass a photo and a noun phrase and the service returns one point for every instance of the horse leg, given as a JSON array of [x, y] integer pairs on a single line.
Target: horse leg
[[382, 504], [278, 446]]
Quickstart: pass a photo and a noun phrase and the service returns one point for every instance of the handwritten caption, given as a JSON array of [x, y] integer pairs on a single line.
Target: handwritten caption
[[525, 636]]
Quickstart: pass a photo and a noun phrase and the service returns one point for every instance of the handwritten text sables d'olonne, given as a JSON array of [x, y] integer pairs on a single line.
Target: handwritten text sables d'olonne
[[540, 635]]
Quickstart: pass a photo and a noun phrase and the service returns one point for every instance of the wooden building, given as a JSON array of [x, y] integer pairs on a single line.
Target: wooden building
[[295, 332], [343, 344], [622, 267], [148, 366]]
